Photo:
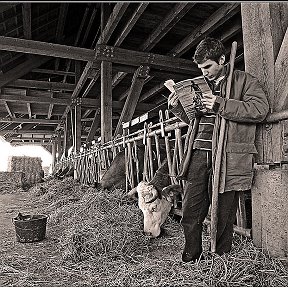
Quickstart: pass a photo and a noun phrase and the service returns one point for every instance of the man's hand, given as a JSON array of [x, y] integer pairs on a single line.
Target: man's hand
[[172, 99], [208, 100]]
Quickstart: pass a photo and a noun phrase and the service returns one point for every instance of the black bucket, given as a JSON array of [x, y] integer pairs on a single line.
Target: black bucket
[[30, 228]]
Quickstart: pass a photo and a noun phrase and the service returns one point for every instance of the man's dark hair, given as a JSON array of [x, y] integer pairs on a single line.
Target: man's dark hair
[[208, 48]]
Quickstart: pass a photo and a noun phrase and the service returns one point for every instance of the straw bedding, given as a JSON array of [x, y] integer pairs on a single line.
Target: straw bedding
[[100, 238]]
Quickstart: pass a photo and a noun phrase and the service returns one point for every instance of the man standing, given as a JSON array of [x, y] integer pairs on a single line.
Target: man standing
[[246, 106]]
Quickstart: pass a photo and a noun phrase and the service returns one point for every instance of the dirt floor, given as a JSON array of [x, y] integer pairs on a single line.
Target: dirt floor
[[25, 264]]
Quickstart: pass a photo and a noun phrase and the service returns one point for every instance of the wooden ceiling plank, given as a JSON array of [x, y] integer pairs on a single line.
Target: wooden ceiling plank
[[113, 20], [212, 23], [77, 39], [26, 14]]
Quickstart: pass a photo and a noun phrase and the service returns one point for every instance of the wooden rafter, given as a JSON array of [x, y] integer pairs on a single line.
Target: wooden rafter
[[130, 23], [61, 21], [22, 69], [212, 23], [178, 11], [26, 12]]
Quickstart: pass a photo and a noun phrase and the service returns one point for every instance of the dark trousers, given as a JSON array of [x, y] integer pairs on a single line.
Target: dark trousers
[[195, 206]]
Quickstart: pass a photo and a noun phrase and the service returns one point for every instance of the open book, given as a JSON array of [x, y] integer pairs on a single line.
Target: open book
[[190, 94]]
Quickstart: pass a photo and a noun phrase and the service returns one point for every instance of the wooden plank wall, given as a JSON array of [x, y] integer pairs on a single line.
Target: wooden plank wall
[[265, 51]]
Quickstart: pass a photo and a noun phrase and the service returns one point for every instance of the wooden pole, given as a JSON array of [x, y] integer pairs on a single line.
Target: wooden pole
[[218, 159]]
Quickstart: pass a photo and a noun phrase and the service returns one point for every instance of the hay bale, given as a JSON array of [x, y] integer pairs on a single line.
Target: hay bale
[[31, 166]]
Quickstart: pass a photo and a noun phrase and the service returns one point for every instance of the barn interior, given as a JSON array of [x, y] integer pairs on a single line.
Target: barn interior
[[73, 74]]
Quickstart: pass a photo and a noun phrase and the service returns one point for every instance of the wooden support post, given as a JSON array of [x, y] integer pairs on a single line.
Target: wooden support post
[[264, 28], [106, 101], [53, 155], [77, 133]]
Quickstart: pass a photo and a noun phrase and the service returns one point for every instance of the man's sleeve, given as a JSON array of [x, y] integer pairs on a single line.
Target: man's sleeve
[[179, 112], [253, 106]]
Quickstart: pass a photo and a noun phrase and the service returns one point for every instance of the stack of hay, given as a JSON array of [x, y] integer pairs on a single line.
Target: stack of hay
[[11, 182], [30, 166]]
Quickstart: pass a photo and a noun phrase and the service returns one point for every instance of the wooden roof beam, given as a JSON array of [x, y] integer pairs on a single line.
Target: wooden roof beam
[[26, 13], [137, 58], [11, 114], [132, 99], [41, 85], [95, 125], [61, 22], [35, 121], [56, 72], [50, 110], [45, 48], [213, 22], [22, 69], [130, 23], [5, 6], [34, 132], [224, 13], [60, 27], [115, 17], [46, 100], [178, 11]]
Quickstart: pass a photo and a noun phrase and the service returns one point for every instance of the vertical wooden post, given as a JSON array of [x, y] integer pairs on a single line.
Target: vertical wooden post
[[106, 101], [53, 155], [264, 28]]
